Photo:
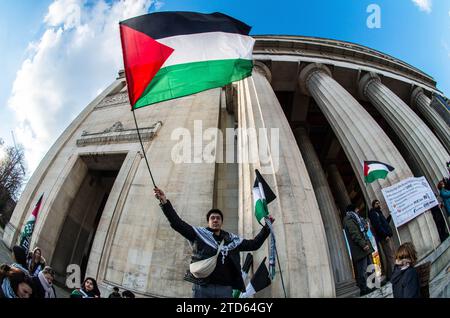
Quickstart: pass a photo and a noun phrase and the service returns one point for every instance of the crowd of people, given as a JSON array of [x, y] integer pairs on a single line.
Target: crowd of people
[[398, 266], [29, 277]]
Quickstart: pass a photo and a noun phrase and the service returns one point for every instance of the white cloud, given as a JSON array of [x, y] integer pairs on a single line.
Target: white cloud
[[78, 55], [64, 12], [424, 5]]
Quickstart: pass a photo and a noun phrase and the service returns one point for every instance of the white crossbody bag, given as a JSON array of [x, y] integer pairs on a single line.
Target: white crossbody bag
[[205, 267]]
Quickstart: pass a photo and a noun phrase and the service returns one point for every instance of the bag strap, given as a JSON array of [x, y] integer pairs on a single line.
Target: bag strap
[[219, 248]]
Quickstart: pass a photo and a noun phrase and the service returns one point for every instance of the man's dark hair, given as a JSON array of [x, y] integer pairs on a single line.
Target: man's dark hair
[[20, 255], [215, 211], [127, 294], [374, 201], [350, 208], [446, 183], [116, 289]]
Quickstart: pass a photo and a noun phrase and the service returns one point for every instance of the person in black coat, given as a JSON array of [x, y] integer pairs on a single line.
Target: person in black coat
[[383, 235], [405, 279], [205, 242], [43, 284], [20, 259], [128, 294], [115, 293]]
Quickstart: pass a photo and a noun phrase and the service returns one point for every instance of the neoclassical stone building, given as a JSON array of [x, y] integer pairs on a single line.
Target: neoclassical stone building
[[333, 104]]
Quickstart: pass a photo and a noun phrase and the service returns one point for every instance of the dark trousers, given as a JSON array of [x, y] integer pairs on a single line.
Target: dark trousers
[[361, 273], [439, 220], [388, 257], [212, 291]]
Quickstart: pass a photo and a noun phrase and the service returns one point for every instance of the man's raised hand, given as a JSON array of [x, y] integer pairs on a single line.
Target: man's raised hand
[[159, 194], [271, 218]]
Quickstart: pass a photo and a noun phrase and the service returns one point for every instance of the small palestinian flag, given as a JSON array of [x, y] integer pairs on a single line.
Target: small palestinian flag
[[259, 281], [374, 170], [262, 196], [172, 54], [247, 264], [27, 232]]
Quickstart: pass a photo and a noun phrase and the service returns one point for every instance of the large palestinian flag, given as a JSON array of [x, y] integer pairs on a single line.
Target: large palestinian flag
[[374, 170], [173, 54], [27, 232]]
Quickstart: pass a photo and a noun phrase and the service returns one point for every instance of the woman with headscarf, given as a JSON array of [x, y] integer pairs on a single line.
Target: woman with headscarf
[[89, 289], [35, 262], [14, 283], [43, 284]]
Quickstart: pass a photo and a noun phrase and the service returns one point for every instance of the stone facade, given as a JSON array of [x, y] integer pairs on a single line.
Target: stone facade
[[330, 105]]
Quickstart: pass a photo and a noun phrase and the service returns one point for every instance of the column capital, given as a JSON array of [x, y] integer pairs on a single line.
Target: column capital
[[364, 83], [262, 68], [418, 91], [307, 72]]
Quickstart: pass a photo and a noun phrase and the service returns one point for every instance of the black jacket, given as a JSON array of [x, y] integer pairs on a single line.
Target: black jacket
[[203, 251], [115, 295], [2, 295], [405, 283], [379, 224], [38, 290]]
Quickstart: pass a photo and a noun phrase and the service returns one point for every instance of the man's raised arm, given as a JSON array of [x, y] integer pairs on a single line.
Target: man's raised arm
[[253, 245], [175, 221]]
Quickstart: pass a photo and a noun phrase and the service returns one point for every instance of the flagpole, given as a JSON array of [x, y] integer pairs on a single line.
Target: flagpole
[[142, 146], [398, 233], [276, 253], [281, 272]]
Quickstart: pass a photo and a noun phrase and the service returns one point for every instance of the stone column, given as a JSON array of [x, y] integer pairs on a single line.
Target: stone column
[[338, 185], [301, 239], [363, 139], [340, 259], [412, 131], [422, 102], [439, 105]]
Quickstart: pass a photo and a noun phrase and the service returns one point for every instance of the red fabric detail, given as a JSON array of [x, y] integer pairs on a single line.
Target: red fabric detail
[[366, 169], [142, 58]]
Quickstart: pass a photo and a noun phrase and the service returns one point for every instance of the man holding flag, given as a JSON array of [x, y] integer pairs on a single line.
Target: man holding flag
[[213, 243], [174, 54]]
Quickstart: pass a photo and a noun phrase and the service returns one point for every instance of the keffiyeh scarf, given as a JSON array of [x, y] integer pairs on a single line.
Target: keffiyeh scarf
[[207, 237]]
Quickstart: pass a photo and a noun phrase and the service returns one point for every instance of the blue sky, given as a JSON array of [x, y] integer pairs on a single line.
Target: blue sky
[[56, 55]]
